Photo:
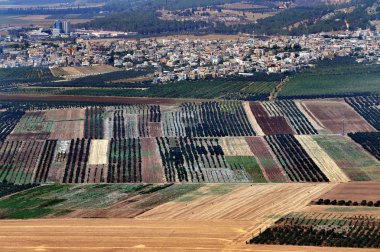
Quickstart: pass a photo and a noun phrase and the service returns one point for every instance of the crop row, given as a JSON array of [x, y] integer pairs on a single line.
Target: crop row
[[77, 159], [289, 110], [124, 165], [213, 119], [347, 203], [348, 232], [368, 107], [369, 140], [8, 121], [294, 159], [188, 159], [25, 162], [93, 127]]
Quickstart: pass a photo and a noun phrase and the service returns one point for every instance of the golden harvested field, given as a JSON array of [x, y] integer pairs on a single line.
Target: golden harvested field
[[98, 152], [75, 72], [324, 161], [214, 218], [261, 205]]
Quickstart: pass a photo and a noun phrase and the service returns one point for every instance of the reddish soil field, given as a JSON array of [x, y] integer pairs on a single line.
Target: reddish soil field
[[155, 129], [152, 171], [333, 114], [67, 123], [354, 191], [266, 159], [271, 125]]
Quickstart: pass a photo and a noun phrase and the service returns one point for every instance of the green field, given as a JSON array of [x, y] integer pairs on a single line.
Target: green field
[[354, 161], [188, 89], [334, 77], [250, 164], [58, 199]]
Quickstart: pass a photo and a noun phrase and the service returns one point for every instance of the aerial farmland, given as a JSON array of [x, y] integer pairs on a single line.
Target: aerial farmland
[[270, 166]]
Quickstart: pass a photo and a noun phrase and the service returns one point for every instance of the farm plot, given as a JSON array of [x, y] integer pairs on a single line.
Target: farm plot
[[152, 169], [261, 204], [18, 161], [337, 116], [367, 107], [8, 121], [199, 160], [291, 112], [58, 165], [329, 230], [271, 125], [355, 162], [214, 119], [93, 126], [354, 192], [252, 120], [267, 160], [75, 72], [67, 123], [32, 126], [124, 162], [323, 161], [77, 161], [369, 140], [294, 159]]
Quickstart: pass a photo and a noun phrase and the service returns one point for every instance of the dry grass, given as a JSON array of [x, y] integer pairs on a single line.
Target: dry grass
[[98, 152]]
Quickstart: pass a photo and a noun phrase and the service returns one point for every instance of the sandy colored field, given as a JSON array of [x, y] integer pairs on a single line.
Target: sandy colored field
[[98, 152], [130, 235], [337, 115], [259, 204], [252, 119], [355, 191], [235, 146], [74, 72], [322, 160]]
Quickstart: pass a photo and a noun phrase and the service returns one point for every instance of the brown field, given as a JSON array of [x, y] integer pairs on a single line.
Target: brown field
[[270, 124], [267, 160], [67, 123], [252, 120], [152, 171], [336, 115], [322, 160], [354, 191]]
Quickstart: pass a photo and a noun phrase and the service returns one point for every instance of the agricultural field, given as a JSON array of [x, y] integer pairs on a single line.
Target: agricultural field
[[328, 230], [331, 78], [370, 141], [355, 162], [75, 72], [368, 107], [336, 117], [183, 142]]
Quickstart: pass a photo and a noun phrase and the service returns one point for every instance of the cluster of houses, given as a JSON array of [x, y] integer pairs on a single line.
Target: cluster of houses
[[193, 58]]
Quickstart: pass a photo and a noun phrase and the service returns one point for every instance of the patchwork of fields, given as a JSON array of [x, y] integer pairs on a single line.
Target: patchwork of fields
[[192, 142]]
